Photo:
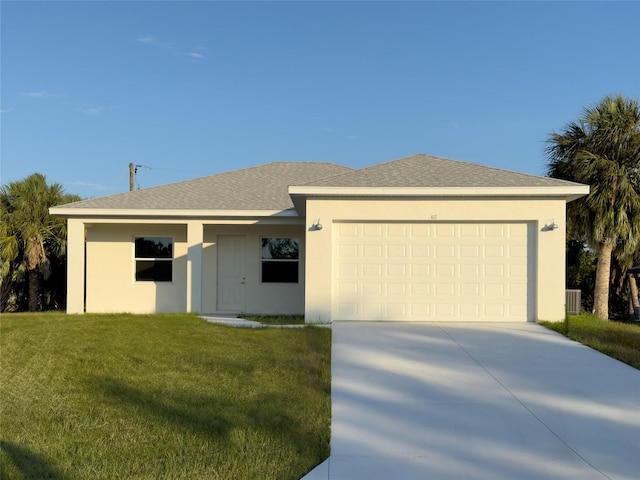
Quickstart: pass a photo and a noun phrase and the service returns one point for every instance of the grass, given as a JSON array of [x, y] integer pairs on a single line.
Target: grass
[[160, 397], [616, 339], [276, 319]]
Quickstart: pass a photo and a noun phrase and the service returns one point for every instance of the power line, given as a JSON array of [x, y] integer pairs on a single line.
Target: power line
[[133, 170]]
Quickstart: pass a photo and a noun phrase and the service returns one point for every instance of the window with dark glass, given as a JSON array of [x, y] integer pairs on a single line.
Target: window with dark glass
[[280, 260], [154, 259]]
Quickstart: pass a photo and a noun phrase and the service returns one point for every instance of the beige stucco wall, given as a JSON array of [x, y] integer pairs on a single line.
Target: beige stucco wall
[[75, 265], [110, 268], [546, 248], [111, 286]]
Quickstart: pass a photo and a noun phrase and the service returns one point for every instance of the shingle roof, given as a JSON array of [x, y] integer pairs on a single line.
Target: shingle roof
[[427, 171], [264, 187]]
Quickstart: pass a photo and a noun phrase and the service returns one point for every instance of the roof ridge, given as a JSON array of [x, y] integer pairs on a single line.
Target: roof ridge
[[501, 169], [464, 162], [355, 170], [428, 170], [330, 177]]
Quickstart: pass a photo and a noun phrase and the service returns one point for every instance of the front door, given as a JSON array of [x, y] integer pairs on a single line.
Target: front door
[[231, 273]]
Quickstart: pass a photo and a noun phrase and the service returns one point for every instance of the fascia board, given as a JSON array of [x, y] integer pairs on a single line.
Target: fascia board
[[569, 191], [152, 213], [279, 221]]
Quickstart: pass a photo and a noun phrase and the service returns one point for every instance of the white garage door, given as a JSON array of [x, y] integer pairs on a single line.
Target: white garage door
[[430, 271]]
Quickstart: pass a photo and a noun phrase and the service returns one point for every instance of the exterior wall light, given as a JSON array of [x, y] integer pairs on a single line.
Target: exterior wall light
[[550, 225], [316, 225]]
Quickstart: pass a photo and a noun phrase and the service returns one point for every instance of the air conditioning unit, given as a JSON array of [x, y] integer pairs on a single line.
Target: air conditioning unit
[[574, 301]]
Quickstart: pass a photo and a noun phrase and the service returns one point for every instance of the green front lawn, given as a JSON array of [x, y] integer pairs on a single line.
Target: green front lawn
[[618, 340], [160, 397]]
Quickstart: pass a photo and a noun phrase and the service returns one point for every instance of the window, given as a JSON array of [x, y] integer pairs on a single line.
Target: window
[[280, 259], [154, 259]]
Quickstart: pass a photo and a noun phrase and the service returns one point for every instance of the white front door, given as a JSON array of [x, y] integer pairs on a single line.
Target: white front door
[[231, 273]]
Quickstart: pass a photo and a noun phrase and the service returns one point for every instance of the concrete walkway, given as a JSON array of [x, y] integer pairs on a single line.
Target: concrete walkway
[[477, 401], [234, 321], [231, 321]]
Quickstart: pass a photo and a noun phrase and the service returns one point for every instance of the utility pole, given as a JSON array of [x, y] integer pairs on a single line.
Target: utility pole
[[132, 177]]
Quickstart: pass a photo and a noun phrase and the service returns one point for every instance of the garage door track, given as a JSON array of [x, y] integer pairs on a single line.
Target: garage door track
[[477, 401]]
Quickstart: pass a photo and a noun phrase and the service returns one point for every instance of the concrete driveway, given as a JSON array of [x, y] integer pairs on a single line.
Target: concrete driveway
[[477, 401]]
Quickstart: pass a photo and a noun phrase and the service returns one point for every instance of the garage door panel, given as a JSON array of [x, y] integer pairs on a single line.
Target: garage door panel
[[396, 310], [518, 271], [470, 230], [420, 251], [396, 251], [517, 310], [419, 290], [469, 289], [372, 270], [445, 270], [445, 310], [396, 270], [372, 289], [493, 289], [445, 251], [396, 289], [445, 230], [494, 310], [494, 270], [397, 230], [347, 288], [347, 310], [494, 230], [431, 271], [419, 270], [372, 310], [372, 251], [445, 289], [372, 230], [518, 230], [469, 270], [420, 310], [470, 311], [517, 252], [495, 251], [469, 251]]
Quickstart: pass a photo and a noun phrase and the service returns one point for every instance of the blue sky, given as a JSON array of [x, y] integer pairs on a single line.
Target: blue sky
[[195, 88]]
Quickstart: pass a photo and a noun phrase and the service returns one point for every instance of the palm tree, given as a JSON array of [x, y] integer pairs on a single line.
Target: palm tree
[[29, 236], [602, 149]]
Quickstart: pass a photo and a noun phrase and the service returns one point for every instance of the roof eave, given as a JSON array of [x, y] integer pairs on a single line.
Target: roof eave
[[569, 191], [298, 194], [71, 212]]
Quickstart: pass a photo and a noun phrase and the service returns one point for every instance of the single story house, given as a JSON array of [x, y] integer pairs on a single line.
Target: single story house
[[417, 238]]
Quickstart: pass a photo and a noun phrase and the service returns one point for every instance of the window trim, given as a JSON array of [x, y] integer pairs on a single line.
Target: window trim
[[155, 259], [279, 260]]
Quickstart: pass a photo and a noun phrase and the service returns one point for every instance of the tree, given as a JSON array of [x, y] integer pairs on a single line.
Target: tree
[[30, 238], [581, 270], [602, 149]]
